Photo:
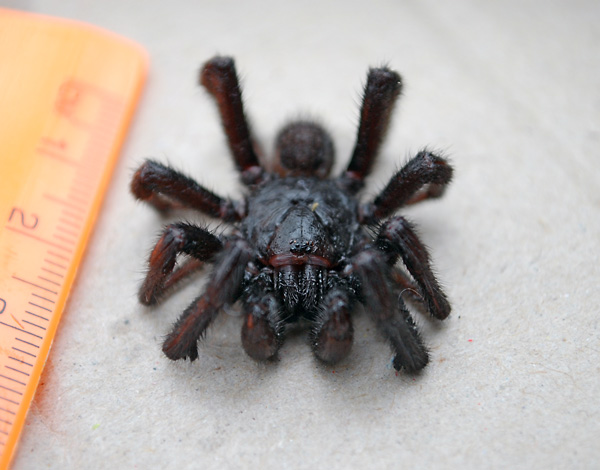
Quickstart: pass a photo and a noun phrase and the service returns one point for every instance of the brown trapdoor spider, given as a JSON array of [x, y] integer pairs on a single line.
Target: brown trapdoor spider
[[302, 245]]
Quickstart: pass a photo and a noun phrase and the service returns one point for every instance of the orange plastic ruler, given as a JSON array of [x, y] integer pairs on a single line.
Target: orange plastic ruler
[[67, 94]]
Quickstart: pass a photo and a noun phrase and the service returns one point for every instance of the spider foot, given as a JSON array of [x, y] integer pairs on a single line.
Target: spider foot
[[412, 366], [411, 354], [334, 333], [262, 332], [182, 342], [176, 350], [259, 338]]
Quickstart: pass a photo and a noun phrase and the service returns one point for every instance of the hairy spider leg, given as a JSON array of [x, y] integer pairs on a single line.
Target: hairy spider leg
[[166, 188], [262, 331], [176, 238], [381, 91], [397, 238], [424, 176], [219, 77], [386, 308], [333, 333], [224, 287]]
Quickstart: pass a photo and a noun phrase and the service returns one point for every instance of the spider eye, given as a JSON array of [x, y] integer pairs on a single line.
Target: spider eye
[[304, 149]]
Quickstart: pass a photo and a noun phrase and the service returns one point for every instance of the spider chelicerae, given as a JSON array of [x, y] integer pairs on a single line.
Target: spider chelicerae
[[302, 245]]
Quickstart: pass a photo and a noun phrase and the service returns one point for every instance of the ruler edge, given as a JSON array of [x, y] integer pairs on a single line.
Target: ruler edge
[[92, 29], [130, 106]]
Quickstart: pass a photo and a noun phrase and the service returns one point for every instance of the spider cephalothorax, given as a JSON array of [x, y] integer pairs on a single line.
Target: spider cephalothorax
[[301, 244]]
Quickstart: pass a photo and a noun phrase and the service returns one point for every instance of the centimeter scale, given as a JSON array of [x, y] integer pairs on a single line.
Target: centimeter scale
[[67, 94]]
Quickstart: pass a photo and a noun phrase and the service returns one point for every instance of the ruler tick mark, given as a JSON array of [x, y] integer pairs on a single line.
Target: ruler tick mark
[[58, 255], [42, 298], [6, 410], [24, 352], [52, 272], [10, 401], [80, 190], [34, 285], [36, 315], [33, 324], [70, 223], [77, 199], [27, 342], [51, 142], [22, 330], [57, 156], [21, 361], [69, 204], [49, 280], [54, 264], [43, 240], [67, 231], [39, 306], [17, 370], [13, 380], [72, 215], [10, 390], [64, 239], [83, 192]]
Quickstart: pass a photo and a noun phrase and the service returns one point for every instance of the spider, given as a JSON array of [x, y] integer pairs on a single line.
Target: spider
[[302, 246]]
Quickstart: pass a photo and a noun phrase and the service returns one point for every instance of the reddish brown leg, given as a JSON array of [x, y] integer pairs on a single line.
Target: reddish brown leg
[[176, 239], [219, 77], [381, 91], [223, 288], [262, 333], [397, 238], [181, 272], [424, 176], [333, 332], [166, 188]]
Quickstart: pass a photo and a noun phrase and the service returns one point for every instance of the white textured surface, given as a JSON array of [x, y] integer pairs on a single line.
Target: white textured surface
[[510, 91]]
